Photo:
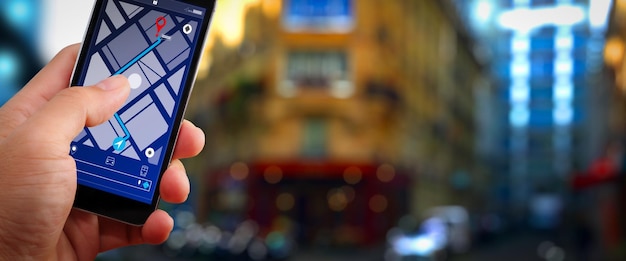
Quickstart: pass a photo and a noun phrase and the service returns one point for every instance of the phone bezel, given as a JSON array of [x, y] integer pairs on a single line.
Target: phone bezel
[[117, 207]]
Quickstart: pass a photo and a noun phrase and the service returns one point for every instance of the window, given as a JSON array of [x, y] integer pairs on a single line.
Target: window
[[314, 138], [326, 70], [324, 16]]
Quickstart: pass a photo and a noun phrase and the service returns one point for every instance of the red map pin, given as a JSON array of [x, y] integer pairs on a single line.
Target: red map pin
[[160, 23]]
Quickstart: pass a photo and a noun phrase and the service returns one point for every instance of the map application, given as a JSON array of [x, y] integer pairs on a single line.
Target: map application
[[151, 42]]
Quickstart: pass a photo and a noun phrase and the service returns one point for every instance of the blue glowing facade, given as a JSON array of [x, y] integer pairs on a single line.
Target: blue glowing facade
[[19, 28]]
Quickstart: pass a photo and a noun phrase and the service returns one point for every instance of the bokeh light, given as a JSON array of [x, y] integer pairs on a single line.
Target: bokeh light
[[337, 200], [352, 175], [285, 202], [273, 174], [385, 172], [378, 203], [8, 65], [239, 171]]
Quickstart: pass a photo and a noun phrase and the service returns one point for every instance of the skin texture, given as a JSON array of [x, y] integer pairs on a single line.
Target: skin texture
[[38, 177]]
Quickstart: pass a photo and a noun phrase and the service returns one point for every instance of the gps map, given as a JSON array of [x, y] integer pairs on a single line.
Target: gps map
[[151, 43]]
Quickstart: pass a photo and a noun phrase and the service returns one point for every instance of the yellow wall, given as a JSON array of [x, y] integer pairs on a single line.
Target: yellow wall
[[412, 45]]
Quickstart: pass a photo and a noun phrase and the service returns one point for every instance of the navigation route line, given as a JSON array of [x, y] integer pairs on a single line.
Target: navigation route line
[[120, 142]]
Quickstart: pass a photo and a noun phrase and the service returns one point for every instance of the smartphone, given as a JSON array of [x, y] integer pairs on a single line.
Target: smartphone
[[157, 45]]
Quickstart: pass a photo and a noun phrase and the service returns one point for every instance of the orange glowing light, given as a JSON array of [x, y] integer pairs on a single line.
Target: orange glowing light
[[614, 51], [239, 171]]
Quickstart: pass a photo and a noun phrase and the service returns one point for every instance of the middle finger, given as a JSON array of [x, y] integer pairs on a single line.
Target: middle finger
[[175, 186]]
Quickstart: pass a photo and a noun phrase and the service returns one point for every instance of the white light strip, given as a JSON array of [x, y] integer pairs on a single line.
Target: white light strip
[[564, 42], [598, 13], [563, 93], [527, 19], [520, 69], [520, 93], [563, 89], [519, 116], [563, 116], [520, 45], [519, 96], [563, 67]]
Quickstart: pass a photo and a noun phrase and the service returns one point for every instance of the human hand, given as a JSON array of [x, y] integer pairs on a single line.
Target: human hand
[[38, 176]]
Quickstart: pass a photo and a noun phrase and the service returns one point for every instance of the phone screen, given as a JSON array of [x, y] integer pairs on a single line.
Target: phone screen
[[154, 43]]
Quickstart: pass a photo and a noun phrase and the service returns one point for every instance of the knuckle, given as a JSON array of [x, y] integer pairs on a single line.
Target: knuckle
[[69, 50], [74, 93], [76, 97]]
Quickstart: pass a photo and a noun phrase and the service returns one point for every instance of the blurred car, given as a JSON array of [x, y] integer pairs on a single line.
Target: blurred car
[[208, 241], [444, 232], [427, 243], [458, 227]]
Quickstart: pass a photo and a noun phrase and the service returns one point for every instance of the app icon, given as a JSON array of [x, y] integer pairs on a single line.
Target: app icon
[[119, 143], [144, 171], [145, 185], [160, 23], [110, 161], [149, 153], [187, 29]]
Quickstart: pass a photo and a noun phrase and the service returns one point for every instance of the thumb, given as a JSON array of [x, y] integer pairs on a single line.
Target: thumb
[[65, 116]]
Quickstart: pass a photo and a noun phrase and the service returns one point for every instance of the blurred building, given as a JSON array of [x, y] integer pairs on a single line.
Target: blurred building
[[552, 105], [19, 60], [333, 119], [603, 180]]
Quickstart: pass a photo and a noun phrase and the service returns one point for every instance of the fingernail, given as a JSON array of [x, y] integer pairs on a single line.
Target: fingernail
[[112, 83]]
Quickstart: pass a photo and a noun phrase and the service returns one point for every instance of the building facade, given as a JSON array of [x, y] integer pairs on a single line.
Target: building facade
[[341, 116]]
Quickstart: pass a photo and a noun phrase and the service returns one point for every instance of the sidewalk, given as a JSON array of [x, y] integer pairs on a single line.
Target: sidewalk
[[524, 247]]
